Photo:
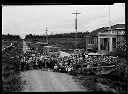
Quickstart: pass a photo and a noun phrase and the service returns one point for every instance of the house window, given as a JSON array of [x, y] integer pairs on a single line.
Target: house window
[[89, 40], [113, 32], [55, 50], [92, 40]]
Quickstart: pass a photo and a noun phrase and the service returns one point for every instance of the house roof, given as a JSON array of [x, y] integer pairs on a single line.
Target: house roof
[[95, 32], [118, 26], [103, 29]]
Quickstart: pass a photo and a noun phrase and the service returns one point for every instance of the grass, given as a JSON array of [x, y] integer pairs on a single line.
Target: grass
[[68, 43], [87, 82], [11, 83]]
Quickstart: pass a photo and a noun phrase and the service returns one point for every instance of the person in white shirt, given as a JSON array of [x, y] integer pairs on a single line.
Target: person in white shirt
[[55, 67]]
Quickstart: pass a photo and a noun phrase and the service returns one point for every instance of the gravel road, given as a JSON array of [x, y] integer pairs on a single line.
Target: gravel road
[[48, 81]]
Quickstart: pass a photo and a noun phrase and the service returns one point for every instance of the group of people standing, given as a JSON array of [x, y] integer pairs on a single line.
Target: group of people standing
[[35, 60]]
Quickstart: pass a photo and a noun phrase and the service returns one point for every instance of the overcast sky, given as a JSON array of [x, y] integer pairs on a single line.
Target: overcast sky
[[33, 19]]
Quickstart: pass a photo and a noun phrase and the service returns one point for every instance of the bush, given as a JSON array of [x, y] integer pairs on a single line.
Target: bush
[[74, 73], [120, 51], [10, 79]]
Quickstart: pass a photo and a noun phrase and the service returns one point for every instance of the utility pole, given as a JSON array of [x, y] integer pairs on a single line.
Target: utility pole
[[76, 26], [109, 19], [46, 35]]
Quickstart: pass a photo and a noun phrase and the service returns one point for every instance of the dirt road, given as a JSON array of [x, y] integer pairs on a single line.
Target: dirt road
[[47, 81]]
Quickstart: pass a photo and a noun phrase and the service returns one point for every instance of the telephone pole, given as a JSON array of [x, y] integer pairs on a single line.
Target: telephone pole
[[46, 35], [76, 13], [109, 19]]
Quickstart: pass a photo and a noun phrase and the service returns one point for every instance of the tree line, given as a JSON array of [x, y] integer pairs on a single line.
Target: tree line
[[10, 37], [64, 35]]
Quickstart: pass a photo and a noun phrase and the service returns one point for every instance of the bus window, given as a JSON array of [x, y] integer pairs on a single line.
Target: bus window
[[51, 50], [55, 50]]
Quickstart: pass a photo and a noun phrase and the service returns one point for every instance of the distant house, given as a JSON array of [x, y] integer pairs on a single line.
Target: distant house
[[107, 38]]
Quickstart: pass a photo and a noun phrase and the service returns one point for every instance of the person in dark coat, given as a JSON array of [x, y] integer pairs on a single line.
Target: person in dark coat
[[23, 66], [83, 55]]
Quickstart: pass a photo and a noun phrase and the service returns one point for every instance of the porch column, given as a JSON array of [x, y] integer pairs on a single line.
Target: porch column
[[116, 41], [99, 44], [103, 42], [87, 41], [110, 44]]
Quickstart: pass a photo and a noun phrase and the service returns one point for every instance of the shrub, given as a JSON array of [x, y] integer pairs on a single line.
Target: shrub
[[120, 51], [10, 79]]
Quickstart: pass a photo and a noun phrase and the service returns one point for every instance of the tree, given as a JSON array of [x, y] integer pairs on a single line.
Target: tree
[[10, 37]]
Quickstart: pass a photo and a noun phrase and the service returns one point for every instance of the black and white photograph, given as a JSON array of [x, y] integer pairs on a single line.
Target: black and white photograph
[[64, 48]]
